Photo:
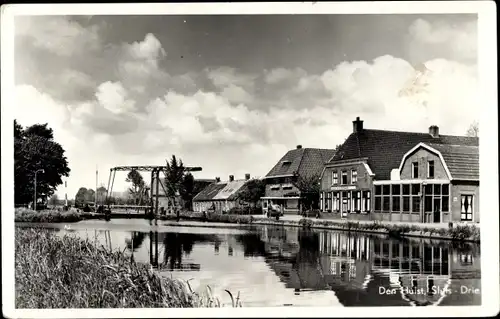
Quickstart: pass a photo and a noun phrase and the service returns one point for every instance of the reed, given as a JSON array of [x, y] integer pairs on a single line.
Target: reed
[[54, 271]]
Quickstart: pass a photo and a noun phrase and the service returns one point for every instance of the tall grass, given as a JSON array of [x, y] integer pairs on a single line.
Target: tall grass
[[67, 272]]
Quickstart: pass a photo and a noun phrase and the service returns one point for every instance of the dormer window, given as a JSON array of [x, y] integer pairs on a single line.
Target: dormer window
[[286, 162], [430, 169], [414, 170], [275, 187]]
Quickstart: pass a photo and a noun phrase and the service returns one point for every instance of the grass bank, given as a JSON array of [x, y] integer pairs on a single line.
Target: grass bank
[[68, 272], [457, 232], [51, 216]]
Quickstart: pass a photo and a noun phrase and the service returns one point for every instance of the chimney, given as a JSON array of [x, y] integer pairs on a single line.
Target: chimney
[[357, 126], [217, 179], [299, 146], [434, 130], [231, 178], [247, 177]]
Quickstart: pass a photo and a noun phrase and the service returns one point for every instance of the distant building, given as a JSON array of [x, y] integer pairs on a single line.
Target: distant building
[[281, 181], [168, 203], [403, 176], [219, 196]]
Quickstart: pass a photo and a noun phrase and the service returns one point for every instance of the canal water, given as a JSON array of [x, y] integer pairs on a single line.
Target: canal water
[[277, 266]]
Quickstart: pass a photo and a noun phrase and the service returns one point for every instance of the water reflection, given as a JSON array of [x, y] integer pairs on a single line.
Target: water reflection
[[361, 270]]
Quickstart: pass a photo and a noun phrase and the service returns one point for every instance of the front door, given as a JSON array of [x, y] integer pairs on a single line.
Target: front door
[[437, 210]]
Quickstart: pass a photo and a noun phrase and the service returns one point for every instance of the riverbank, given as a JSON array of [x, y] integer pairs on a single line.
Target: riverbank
[[67, 272], [458, 232]]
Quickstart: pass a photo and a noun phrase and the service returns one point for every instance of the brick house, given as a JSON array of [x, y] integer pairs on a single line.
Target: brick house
[[282, 186], [220, 196], [403, 176]]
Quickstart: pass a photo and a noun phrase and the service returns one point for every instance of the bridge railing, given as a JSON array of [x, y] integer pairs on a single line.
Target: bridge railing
[[130, 206]]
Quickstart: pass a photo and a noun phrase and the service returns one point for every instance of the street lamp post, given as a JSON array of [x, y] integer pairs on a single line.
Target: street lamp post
[[41, 170]]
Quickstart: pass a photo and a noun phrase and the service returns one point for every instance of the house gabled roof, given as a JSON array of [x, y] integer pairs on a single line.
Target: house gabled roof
[[209, 192], [302, 161], [385, 149], [461, 160], [230, 190]]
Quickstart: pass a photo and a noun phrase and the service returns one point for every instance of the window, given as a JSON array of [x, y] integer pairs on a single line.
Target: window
[[415, 204], [386, 190], [366, 201], [386, 198], [275, 187], [378, 203], [335, 177], [356, 200], [349, 201], [321, 202], [386, 202], [466, 207], [336, 201], [415, 252], [354, 176], [436, 198], [378, 198], [446, 189], [396, 189], [406, 204], [396, 200], [466, 259], [328, 201], [344, 178], [445, 204], [430, 169], [415, 189], [414, 170]]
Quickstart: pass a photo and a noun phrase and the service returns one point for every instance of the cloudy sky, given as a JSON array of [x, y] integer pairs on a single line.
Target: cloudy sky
[[233, 93]]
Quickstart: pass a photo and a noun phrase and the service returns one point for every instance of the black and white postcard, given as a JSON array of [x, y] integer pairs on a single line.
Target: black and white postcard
[[250, 159]]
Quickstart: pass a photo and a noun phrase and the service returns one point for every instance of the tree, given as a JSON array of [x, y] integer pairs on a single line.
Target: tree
[[310, 188], [54, 200], [473, 130], [174, 178], [138, 184], [35, 149], [101, 194], [90, 195], [253, 190], [187, 190], [80, 196]]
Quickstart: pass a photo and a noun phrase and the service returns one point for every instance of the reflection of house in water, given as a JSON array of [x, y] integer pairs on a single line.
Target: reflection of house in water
[[422, 273], [298, 265], [361, 269], [346, 259]]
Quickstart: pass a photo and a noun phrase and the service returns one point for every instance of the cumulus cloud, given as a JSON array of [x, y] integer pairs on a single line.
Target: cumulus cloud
[[135, 112], [58, 34], [456, 42]]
